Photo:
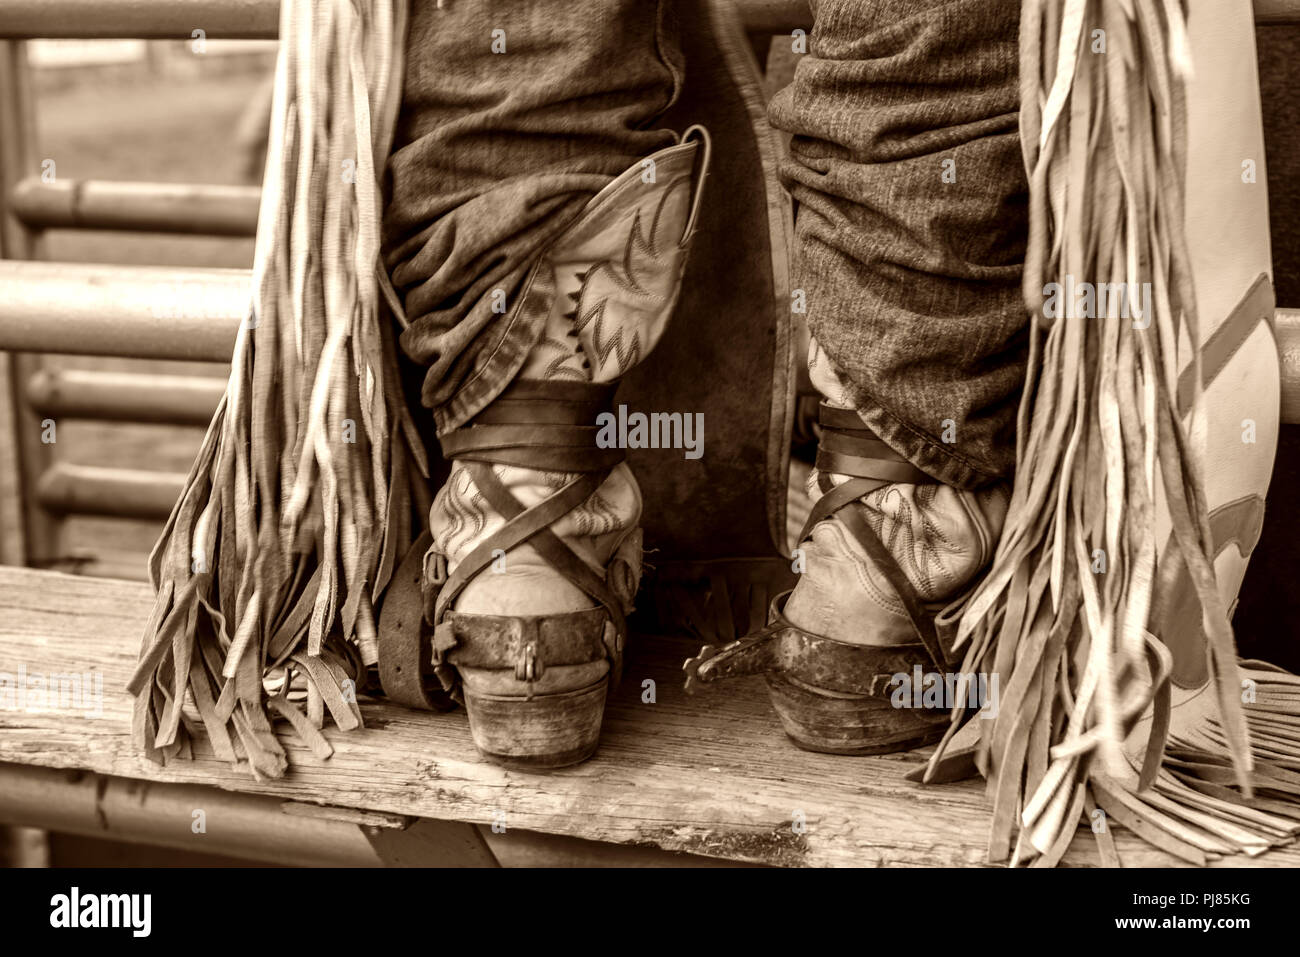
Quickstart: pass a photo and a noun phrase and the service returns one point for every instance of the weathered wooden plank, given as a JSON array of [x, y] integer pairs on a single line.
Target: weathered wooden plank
[[709, 775]]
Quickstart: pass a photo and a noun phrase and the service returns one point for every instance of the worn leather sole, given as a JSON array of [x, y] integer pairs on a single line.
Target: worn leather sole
[[834, 722], [858, 715], [545, 731]]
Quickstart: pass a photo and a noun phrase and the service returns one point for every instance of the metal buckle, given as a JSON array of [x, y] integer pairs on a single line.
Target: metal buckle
[[528, 667]]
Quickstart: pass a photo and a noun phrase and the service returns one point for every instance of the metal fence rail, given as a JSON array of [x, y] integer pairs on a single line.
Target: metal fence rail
[[259, 19], [196, 208], [145, 312], [139, 19], [124, 493], [39, 538], [1277, 11], [1287, 327], [124, 396]]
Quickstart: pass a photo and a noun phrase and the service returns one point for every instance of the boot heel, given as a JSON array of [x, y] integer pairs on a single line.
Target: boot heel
[[832, 722], [523, 712], [545, 731], [857, 716]]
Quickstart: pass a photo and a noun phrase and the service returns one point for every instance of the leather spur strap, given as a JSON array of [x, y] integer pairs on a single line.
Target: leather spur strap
[[536, 424], [405, 653], [824, 663], [848, 447]]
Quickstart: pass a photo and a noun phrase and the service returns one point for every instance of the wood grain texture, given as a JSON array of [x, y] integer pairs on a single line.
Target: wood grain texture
[[710, 774]]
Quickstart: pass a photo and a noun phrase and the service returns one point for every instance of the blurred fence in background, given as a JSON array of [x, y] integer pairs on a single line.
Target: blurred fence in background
[[125, 112]]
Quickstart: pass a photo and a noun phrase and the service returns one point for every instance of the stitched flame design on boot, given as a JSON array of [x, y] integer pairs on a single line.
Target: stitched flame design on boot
[[941, 537], [617, 273]]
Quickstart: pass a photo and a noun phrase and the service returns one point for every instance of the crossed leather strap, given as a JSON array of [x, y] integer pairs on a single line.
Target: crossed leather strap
[[535, 424], [848, 447]]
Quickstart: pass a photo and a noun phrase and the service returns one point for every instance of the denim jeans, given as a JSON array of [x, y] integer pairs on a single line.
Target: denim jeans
[[497, 152], [905, 162], [910, 263]]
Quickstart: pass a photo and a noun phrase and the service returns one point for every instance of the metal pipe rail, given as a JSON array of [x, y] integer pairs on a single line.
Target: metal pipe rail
[[141, 312], [1277, 11], [140, 19], [122, 493], [124, 396], [252, 826], [259, 19], [193, 208], [1286, 325]]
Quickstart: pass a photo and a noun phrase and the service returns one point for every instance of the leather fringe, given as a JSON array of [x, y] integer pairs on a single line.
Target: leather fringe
[[1087, 720], [301, 500]]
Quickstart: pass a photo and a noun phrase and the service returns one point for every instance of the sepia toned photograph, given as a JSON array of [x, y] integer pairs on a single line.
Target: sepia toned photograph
[[650, 434]]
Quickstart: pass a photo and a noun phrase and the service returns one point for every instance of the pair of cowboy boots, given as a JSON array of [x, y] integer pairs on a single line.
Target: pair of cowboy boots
[[535, 555]]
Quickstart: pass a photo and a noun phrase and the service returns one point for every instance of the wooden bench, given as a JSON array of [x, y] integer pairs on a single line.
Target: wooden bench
[[709, 776]]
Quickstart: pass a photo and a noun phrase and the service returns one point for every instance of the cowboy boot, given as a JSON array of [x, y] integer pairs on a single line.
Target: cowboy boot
[[849, 651], [536, 545]]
